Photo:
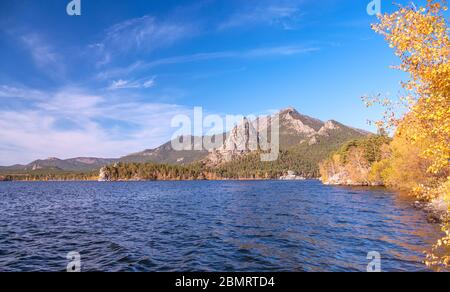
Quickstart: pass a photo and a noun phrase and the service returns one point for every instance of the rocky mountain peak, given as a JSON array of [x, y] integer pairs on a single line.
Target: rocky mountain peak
[[242, 139], [293, 121], [329, 126], [295, 128], [247, 136], [288, 110]]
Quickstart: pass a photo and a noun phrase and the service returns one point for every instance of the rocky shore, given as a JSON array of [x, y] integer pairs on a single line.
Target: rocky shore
[[342, 179], [436, 210], [292, 175]]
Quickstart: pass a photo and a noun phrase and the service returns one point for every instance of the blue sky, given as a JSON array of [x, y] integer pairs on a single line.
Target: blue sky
[[108, 82]]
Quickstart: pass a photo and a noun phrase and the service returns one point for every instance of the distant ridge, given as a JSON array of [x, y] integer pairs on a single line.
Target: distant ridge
[[295, 129], [72, 164]]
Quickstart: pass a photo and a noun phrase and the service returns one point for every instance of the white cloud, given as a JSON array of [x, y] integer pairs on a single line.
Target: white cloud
[[120, 84], [149, 83], [199, 57], [126, 84], [140, 34], [280, 51], [7, 91], [283, 14], [70, 123], [44, 56]]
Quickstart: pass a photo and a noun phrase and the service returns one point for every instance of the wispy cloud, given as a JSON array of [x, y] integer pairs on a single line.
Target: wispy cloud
[[44, 55], [199, 57], [140, 34], [136, 84], [283, 14], [8, 91], [71, 123]]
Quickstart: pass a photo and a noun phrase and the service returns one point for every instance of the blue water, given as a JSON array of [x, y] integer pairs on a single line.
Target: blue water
[[208, 226]]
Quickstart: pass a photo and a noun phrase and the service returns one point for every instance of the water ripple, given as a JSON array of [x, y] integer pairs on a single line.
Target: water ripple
[[208, 226]]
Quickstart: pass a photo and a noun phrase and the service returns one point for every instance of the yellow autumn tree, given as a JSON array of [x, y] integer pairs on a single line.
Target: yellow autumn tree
[[421, 144], [420, 38]]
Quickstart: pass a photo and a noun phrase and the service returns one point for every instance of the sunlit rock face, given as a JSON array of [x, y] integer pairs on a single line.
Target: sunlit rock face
[[242, 139], [291, 119], [292, 175], [328, 127], [251, 136], [103, 174]]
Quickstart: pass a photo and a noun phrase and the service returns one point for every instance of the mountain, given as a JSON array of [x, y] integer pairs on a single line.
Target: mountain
[[52, 163], [166, 154], [294, 129], [302, 158], [247, 137], [304, 141]]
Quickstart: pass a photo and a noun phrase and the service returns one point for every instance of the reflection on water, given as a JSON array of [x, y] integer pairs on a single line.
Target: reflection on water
[[208, 226]]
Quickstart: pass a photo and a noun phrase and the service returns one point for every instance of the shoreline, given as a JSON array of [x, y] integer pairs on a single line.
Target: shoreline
[[168, 180], [435, 210]]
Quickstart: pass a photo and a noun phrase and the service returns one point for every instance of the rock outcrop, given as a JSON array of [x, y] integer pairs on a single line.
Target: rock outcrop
[[241, 140], [103, 175], [292, 175], [436, 210], [342, 179], [327, 127], [291, 119]]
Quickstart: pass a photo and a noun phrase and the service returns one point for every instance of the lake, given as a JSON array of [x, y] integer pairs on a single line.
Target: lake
[[208, 226]]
